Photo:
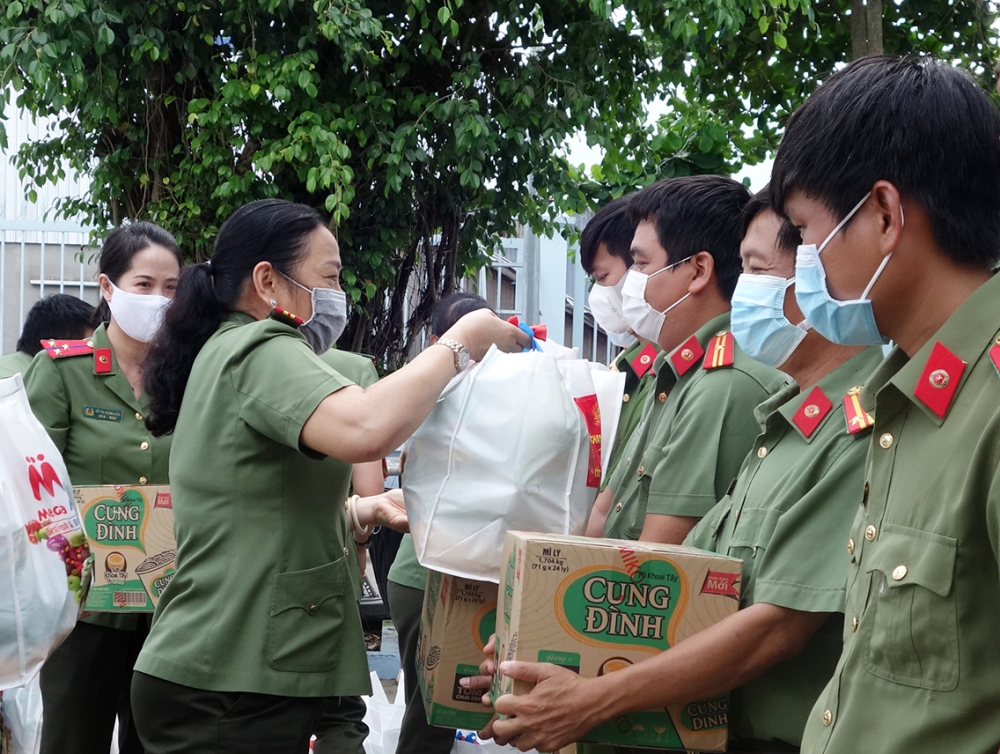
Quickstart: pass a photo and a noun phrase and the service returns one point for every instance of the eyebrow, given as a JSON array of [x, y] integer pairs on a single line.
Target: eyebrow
[[142, 276]]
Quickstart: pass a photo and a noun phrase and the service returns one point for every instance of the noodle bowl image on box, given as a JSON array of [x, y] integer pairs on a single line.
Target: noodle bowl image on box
[[597, 606], [131, 533]]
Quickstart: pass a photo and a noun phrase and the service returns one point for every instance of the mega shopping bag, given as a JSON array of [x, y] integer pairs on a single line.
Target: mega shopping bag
[[44, 558]]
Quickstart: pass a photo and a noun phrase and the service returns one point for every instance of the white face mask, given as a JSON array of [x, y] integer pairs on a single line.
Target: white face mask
[[644, 320], [139, 315], [605, 302], [329, 317]]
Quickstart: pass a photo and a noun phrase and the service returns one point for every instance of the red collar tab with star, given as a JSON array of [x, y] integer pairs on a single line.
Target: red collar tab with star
[[720, 351], [858, 420], [287, 317], [812, 412], [939, 380], [643, 360], [686, 355], [60, 349]]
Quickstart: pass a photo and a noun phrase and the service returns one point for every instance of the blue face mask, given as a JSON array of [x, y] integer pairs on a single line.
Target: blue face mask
[[849, 323], [758, 319]]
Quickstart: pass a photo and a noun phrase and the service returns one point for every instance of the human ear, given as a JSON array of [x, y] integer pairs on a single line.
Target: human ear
[[703, 265], [105, 283], [889, 216], [265, 283]]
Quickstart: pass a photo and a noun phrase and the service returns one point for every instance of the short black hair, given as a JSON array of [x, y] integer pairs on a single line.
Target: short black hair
[[789, 238], [611, 227], [56, 317], [913, 121], [451, 308], [697, 213]]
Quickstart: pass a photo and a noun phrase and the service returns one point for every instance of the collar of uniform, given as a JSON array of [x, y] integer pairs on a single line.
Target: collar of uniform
[[853, 372], [239, 318], [664, 364], [968, 334]]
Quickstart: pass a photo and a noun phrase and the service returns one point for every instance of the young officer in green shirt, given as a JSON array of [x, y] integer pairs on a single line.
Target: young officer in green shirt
[[56, 317], [698, 422], [797, 488], [606, 255], [88, 396], [259, 628], [891, 170], [407, 579]]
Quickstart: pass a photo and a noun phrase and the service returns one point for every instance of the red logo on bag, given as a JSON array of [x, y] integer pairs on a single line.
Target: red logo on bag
[[592, 417], [720, 582], [42, 476]]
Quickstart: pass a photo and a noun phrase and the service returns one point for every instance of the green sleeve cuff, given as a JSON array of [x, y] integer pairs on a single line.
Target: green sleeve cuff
[[680, 505], [806, 599]]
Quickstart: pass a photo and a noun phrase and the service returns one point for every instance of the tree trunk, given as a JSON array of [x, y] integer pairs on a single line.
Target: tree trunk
[[866, 28]]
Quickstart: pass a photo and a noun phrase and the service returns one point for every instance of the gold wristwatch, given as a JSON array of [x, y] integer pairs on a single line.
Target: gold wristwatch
[[460, 351]]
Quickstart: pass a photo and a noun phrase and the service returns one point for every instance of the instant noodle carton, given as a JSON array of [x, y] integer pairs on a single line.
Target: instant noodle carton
[[595, 606], [458, 619], [131, 534]]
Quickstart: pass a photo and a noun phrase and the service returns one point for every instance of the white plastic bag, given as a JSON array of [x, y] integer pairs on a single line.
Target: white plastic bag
[[515, 442], [43, 551], [22, 715], [384, 718]]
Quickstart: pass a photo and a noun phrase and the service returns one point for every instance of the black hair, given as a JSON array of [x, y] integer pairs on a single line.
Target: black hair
[[921, 125], [120, 245], [452, 308], [789, 238], [56, 317], [697, 213], [611, 227], [267, 230]]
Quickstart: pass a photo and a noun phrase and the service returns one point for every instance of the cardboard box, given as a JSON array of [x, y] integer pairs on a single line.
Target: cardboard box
[[599, 605], [131, 534], [458, 619]]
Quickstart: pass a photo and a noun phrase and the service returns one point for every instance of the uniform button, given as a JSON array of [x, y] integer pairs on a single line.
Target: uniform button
[[885, 441], [90, 343], [312, 608], [618, 507], [761, 452], [661, 397], [641, 469], [625, 398], [138, 416], [346, 552], [854, 623], [899, 573], [142, 480], [870, 533], [827, 717], [850, 546], [628, 460], [144, 445]]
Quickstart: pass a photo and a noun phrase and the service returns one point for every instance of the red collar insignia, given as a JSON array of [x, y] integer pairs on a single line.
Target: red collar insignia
[[686, 355], [812, 412], [939, 380], [643, 360]]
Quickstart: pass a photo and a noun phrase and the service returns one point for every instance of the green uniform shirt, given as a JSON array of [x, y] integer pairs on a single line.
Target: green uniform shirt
[[14, 363], [98, 425], [361, 371], [261, 600], [920, 670], [791, 507], [636, 363], [694, 433]]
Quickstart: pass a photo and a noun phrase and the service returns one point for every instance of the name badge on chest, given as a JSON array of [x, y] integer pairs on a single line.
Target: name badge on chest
[[102, 414]]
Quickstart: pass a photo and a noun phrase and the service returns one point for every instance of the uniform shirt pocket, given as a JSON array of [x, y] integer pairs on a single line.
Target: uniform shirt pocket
[[307, 615], [911, 621]]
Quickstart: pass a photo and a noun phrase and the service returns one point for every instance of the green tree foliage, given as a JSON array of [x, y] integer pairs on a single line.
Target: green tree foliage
[[426, 129]]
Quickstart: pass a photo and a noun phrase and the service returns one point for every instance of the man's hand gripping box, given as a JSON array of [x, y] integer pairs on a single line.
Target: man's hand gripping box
[[596, 606]]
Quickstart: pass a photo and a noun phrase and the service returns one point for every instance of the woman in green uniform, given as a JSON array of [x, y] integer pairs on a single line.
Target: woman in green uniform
[[88, 395], [259, 626]]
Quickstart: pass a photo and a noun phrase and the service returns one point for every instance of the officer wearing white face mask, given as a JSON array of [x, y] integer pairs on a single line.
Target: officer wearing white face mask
[[88, 395], [605, 253], [258, 634]]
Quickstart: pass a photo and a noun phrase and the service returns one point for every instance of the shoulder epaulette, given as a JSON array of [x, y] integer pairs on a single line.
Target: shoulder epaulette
[[60, 349], [858, 420], [995, 354], [720, 351]]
